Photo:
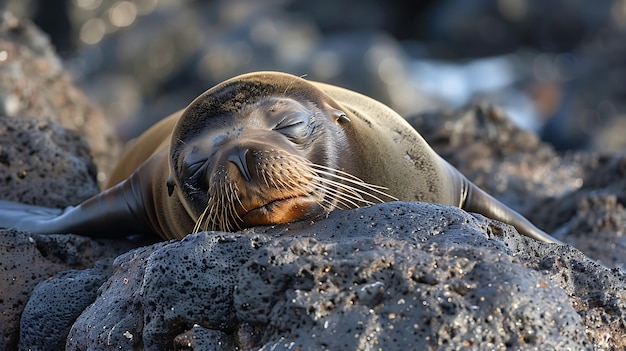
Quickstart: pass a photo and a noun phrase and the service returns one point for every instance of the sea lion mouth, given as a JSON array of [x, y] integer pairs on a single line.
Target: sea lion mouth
[[285, 188], [282, 211]]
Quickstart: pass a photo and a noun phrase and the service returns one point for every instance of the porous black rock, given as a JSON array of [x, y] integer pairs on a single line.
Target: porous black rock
[[161, 291], [44, 164], [395, 275], [199, 338], [55, 304], [28, 259], [33, 84]]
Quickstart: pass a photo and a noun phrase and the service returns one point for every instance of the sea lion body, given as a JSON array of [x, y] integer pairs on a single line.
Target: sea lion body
[[268, 148]]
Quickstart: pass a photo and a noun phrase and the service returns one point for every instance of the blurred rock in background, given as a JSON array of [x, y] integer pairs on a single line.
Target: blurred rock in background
[[33, 84], [556, 68]]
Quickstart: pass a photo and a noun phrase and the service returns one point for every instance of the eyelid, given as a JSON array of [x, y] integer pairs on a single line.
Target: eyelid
[[290, 121]]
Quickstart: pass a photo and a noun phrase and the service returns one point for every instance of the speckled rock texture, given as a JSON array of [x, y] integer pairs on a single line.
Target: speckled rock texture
[[393, 276], [42, 163], [33, 84], [579, 197], [130, 312], [55, 312], [593, 218], [28, 259]]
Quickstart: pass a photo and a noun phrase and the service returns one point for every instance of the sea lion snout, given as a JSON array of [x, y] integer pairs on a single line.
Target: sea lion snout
[[240, 159], [260, 184]]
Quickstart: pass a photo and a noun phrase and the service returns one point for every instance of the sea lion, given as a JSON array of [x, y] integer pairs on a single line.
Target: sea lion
[[266, 148]]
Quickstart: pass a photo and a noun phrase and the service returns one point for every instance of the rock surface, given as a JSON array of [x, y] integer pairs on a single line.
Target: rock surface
[[593, 218], [28, 259], [392, 276], [42, 163], [33, 84], [55, 304], [579, 197]]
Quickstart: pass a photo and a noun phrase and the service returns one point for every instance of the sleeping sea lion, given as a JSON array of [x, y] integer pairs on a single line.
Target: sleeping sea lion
[[260, 149]]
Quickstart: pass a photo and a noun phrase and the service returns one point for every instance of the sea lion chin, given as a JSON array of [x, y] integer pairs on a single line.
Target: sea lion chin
[[283, 211]]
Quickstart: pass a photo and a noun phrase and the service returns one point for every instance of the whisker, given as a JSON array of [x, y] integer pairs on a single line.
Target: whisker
[[233, 215], [356, 192], [265, 178], [338, 195], [224, 224], [321, 200], [235, 193], [341, 175], [330, 188], [196, 227], [357, 181], [213, 218], [344, 174]]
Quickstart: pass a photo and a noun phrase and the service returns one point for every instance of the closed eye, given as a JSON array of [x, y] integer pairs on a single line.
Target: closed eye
[[296, 126], [290, 121], [196, 169]]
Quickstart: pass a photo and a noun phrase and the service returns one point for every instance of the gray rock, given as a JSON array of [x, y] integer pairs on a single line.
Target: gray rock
[[380, 282], [593, 218], [27, 259], [392, 276], [202, 339], [33, 84], [55, 304], [125, 333], [161, 291], [42, 163]]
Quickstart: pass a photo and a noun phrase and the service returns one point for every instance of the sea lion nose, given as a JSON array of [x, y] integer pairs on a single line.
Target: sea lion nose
[[240, 158]]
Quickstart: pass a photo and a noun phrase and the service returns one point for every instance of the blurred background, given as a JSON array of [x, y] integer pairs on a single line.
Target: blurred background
[[556, 67]]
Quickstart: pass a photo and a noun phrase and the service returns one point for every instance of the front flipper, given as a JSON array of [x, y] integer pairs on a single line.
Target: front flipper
[[85, 219], [28, 218], [114, 213]]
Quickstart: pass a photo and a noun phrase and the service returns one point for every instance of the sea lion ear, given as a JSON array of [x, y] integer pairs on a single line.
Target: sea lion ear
[[170, 186], [340, 117]]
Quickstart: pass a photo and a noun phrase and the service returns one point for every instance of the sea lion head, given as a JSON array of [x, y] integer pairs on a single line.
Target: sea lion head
[[261, 149]]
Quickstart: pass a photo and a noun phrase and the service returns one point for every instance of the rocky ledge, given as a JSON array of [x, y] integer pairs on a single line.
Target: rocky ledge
[[395, 276]]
